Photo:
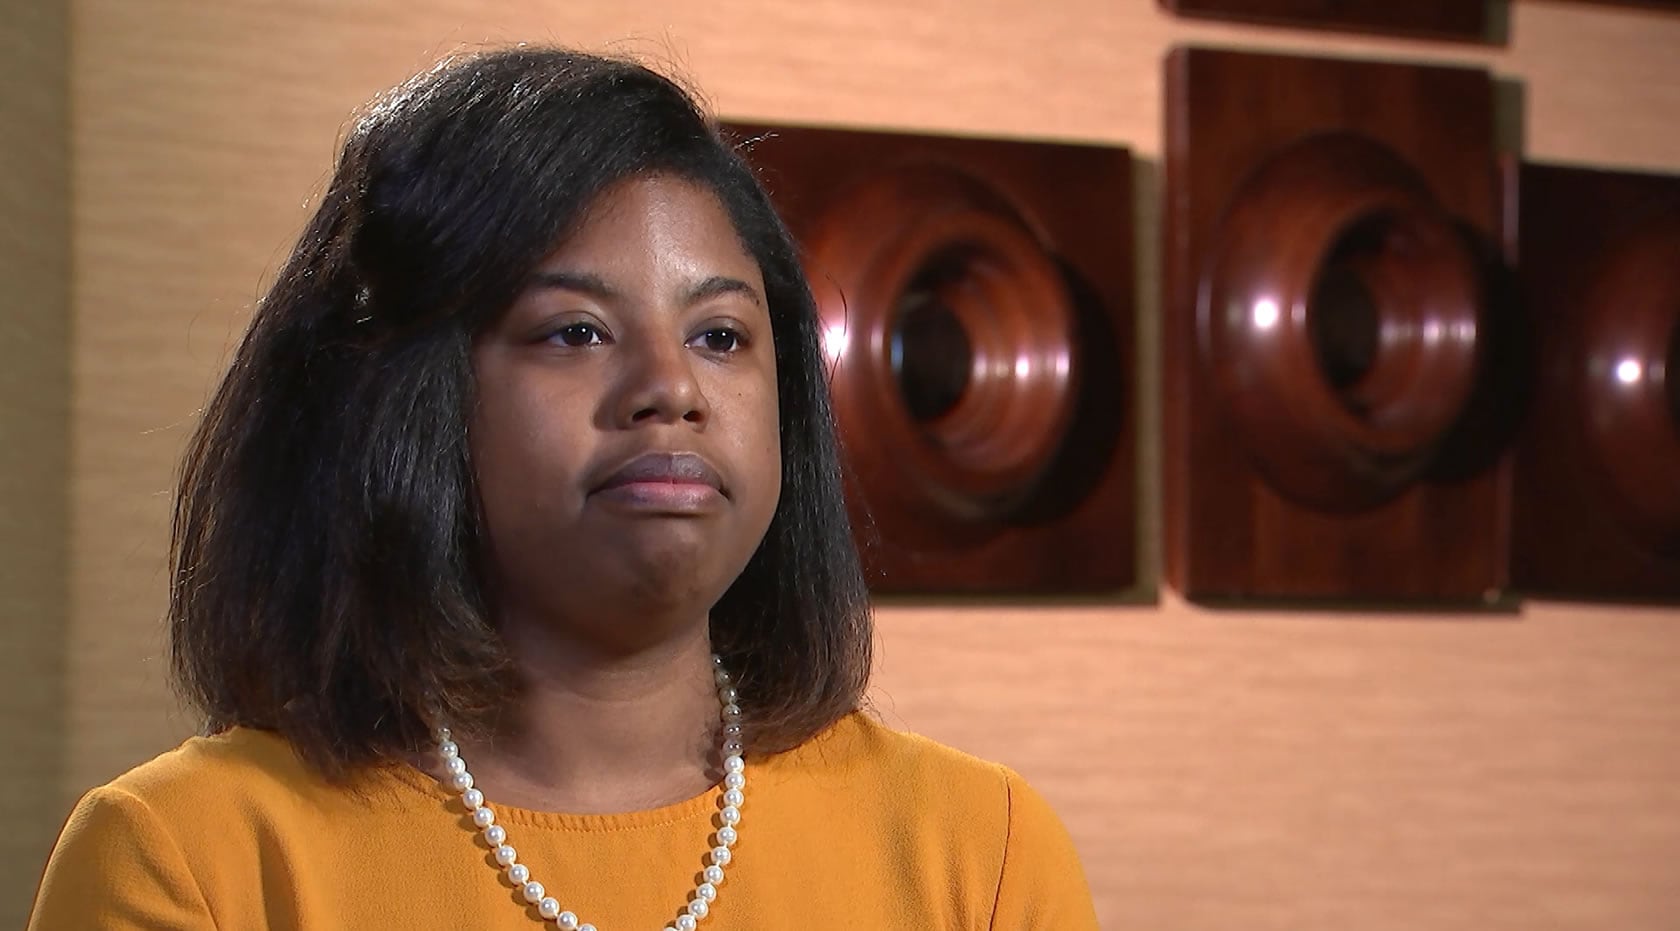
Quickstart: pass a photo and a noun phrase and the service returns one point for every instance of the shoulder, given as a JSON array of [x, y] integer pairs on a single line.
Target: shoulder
[[862, 750], [239, 775], [127, 848], [240, 756], [243, 782], [983, 825], [181, 837], [937, 789]]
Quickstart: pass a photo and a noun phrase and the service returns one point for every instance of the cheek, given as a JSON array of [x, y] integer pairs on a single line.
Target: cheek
[[753, 435], [487, 444], [770, 449], [488, 433], [521, 455]]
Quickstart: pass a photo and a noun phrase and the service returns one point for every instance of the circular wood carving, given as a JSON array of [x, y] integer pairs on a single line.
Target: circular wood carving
[[951, 333], [1340, 316], [1628, 377]]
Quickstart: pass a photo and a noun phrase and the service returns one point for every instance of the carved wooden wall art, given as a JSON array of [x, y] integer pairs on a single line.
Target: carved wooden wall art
[[1670, 5], [1330, 382], [976, 296], [1597, 472], [1464, 20]]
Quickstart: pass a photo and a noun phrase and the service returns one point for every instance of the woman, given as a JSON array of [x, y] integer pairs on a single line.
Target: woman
[[527, 461]]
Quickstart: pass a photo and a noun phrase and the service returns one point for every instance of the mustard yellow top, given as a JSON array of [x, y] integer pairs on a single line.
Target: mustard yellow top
[[862, 827]]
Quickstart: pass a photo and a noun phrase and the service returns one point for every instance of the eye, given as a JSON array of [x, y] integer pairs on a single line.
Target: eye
[[721, 339], [577, 335]]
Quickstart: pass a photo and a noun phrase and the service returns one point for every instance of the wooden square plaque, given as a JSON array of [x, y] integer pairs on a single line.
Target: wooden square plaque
[[1597, 471], [1463, 20], [977, 300], [1329, 331]]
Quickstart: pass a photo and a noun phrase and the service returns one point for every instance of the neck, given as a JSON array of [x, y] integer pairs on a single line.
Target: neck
[[603, 731]]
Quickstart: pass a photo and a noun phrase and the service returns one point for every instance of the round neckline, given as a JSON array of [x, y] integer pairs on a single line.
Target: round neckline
[[703, 805]]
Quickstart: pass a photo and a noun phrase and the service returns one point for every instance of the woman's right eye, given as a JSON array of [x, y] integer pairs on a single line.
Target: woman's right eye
[[577, 335]]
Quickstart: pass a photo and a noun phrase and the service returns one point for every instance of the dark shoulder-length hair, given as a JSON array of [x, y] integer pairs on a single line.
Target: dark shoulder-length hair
[[326, 533]]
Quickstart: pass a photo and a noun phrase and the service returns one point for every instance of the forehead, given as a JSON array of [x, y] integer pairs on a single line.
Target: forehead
[[655, 226]]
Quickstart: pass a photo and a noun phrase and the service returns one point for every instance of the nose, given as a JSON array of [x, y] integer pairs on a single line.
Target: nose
[[659, 385]]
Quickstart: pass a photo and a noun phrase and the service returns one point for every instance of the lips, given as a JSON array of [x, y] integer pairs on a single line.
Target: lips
[[665, 468], [663, 484]]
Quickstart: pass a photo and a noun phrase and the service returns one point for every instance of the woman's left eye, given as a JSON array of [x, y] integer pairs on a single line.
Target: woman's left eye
[[721, 339]]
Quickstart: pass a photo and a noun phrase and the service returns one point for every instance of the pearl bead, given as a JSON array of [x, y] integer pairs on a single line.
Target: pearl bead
[[483, 817]]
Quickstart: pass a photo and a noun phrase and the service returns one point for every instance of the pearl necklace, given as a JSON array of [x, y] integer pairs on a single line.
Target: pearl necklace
[[457, 779]]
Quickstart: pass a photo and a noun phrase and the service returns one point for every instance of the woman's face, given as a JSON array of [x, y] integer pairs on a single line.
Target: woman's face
[[625, 437]]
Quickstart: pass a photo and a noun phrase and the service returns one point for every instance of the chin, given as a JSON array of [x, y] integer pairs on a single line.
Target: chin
[[664, 580]]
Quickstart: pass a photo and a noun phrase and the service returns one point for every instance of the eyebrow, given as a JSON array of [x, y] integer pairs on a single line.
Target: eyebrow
[[719, 284], [597, 287], [582, 282]]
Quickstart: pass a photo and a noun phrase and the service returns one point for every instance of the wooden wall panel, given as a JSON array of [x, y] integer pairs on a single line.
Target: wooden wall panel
[[1596, 509], [1257, 770], [1666, 5], [1030, 259], [1439, 19], [1324, 326]]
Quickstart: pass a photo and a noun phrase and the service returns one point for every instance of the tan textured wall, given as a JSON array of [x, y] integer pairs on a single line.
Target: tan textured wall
[[1266, 771], [34, 392]]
